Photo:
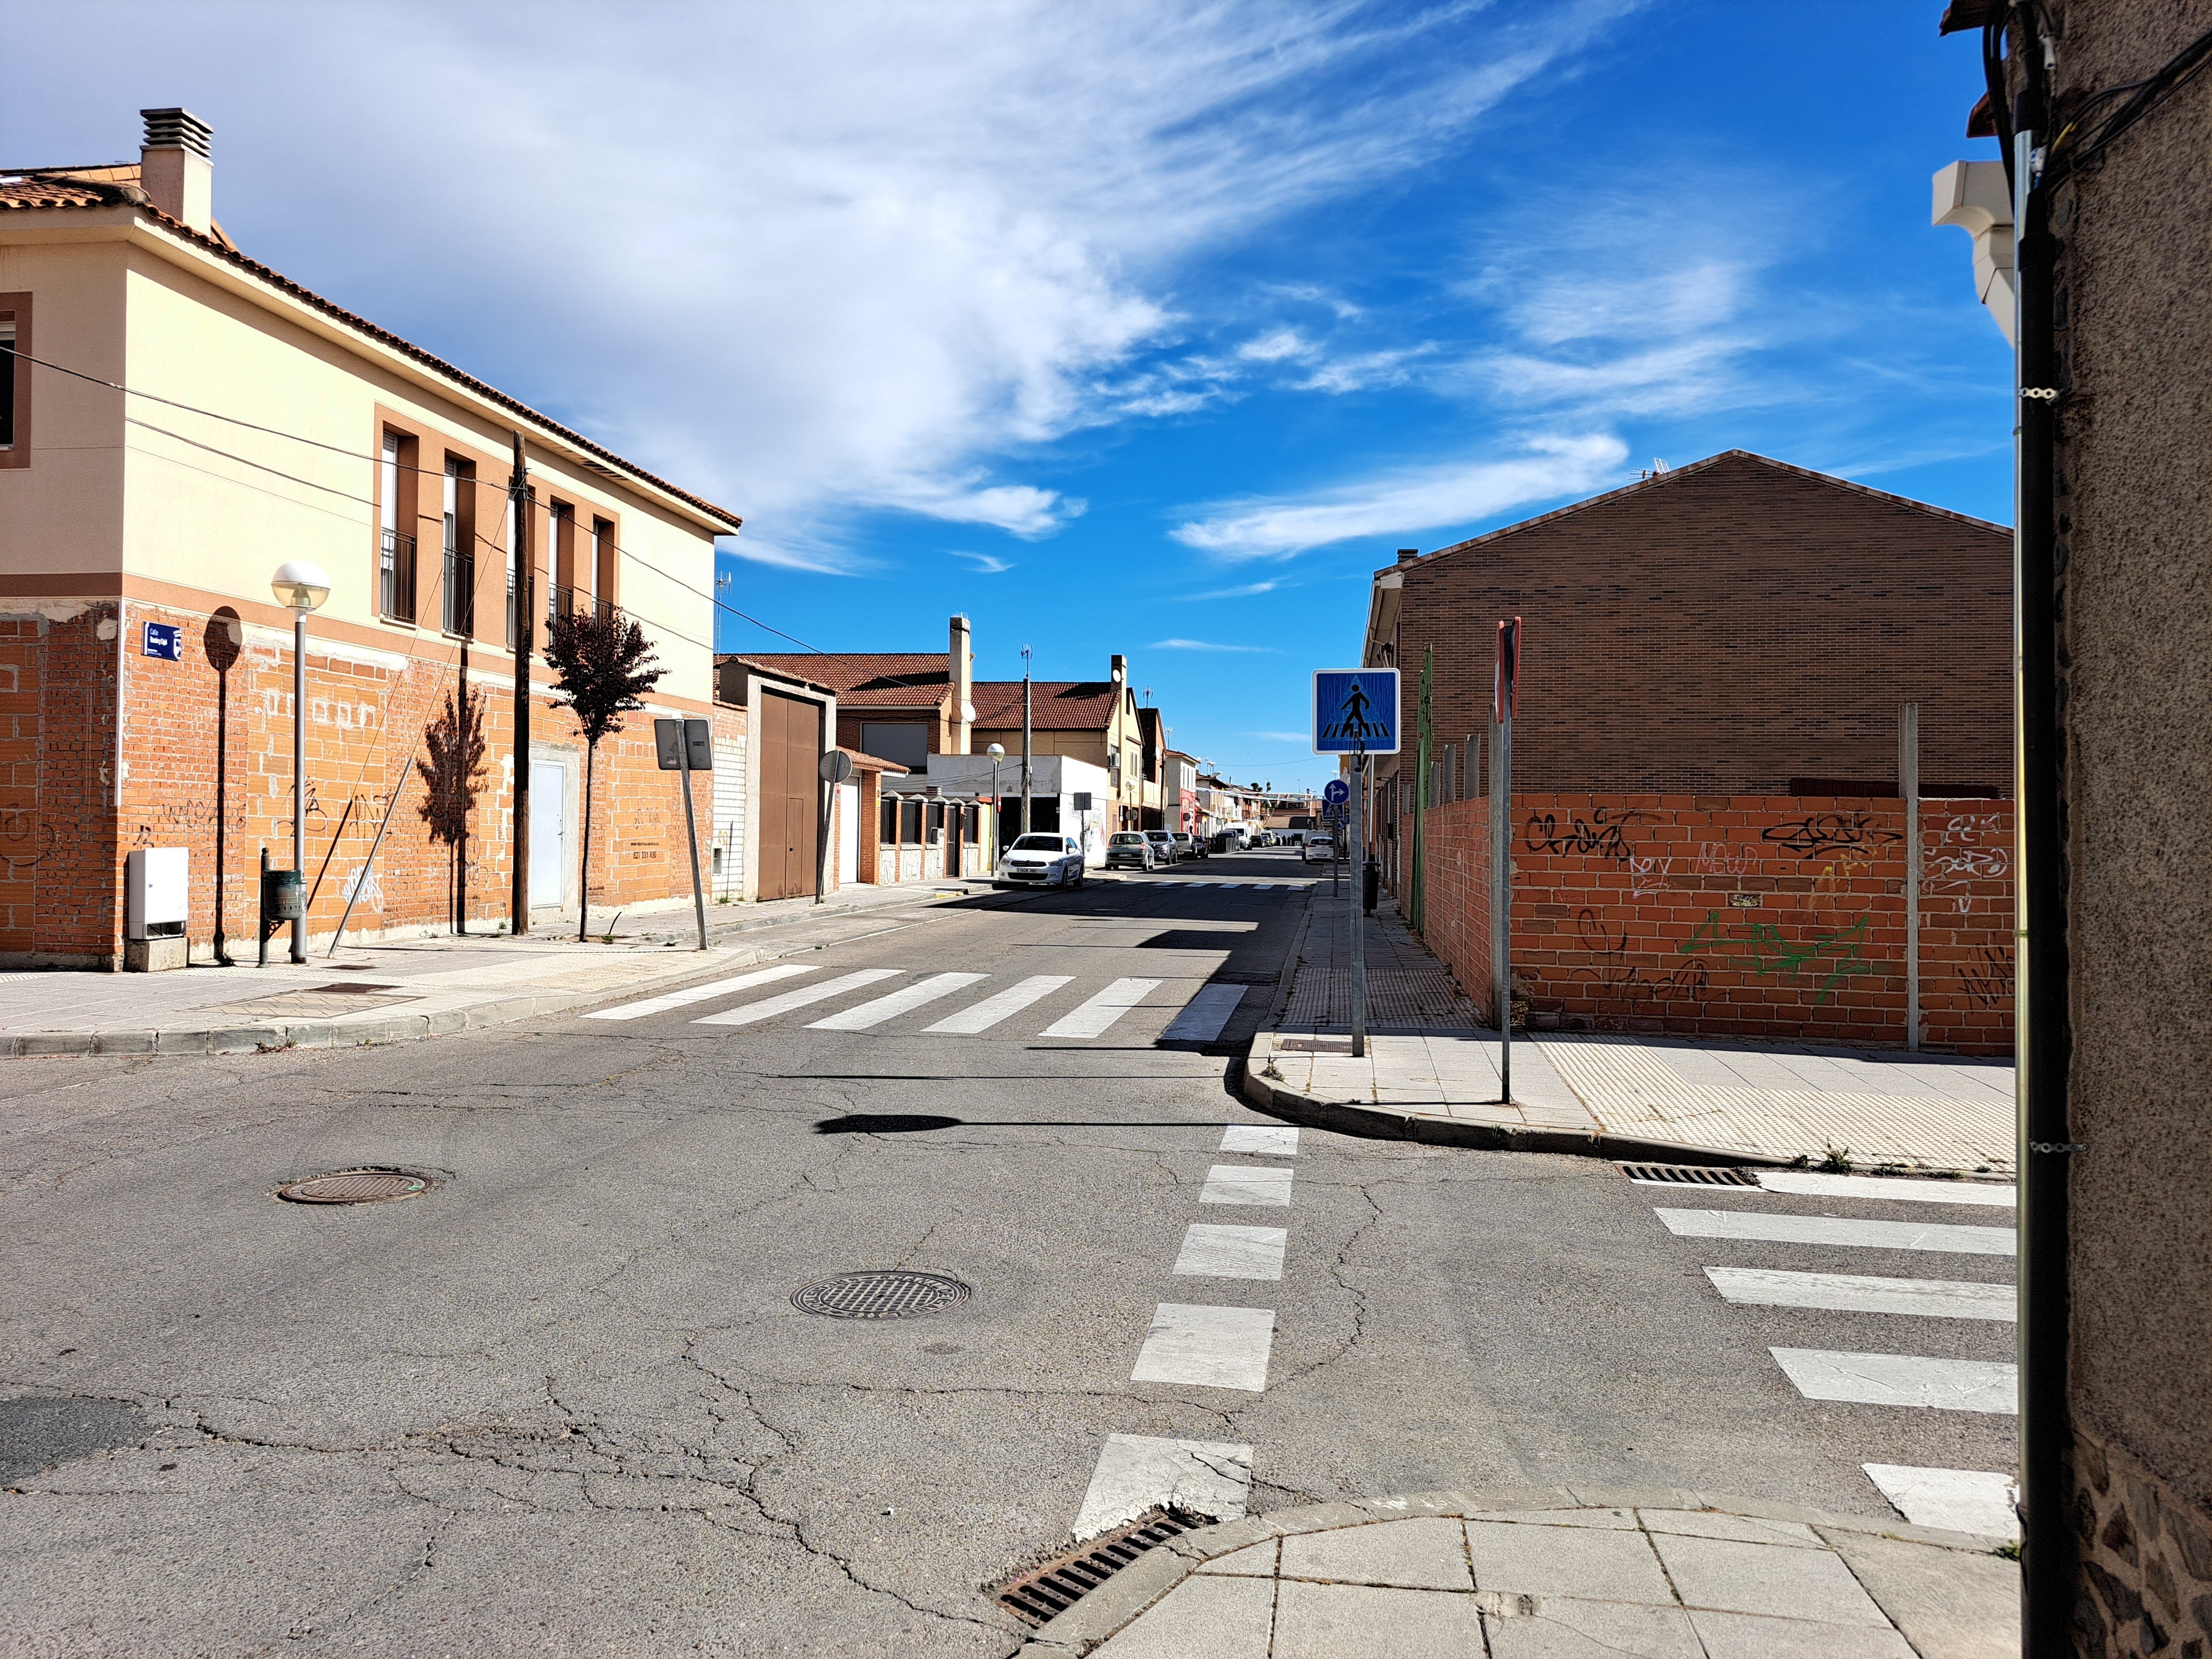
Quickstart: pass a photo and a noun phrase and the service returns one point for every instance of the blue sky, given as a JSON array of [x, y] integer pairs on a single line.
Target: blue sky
[[1144, 327]]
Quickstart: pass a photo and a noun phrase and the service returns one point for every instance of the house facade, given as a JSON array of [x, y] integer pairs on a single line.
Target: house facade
[[147, 668]]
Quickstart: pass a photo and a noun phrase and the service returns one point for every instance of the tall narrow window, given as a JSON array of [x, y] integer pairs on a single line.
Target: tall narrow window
[[395, 554], [15, 380], [460, 572], [560, 533], [603, 565]]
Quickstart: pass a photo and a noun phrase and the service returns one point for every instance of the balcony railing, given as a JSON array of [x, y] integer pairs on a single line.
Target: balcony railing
[[396, 577]]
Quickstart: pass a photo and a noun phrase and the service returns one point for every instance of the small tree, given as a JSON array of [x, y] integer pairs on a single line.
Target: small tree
[[600, 667]]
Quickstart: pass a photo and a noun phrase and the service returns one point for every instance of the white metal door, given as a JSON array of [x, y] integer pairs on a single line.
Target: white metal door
[[549, 831], [848, 834]]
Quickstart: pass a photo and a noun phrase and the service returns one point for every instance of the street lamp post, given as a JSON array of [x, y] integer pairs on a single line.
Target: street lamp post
[[997, 751], [300, 585]]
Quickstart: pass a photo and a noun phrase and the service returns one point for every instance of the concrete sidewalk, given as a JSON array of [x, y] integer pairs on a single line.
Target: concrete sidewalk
[[421, 988], [1553, 1574], [1432, 1073]]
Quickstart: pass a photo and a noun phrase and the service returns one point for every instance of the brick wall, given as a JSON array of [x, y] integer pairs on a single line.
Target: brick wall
[[206, 764], [1724, 629], [1757, 916]]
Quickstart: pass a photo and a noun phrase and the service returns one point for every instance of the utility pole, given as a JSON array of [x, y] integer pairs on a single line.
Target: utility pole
[[1026, 740], [526, 610]]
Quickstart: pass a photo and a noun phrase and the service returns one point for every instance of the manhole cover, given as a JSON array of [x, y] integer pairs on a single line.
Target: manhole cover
[[354, 1187], [893, 1295]]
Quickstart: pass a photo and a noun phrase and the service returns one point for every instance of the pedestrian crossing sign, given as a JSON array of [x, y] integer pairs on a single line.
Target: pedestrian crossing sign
[[1355, 711]]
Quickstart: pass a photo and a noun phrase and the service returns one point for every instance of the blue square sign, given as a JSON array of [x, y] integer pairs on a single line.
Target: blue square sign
[[165, 640], [1356, 711]]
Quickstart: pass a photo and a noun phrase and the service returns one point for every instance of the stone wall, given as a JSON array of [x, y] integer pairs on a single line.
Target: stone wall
[[2145, 1553]]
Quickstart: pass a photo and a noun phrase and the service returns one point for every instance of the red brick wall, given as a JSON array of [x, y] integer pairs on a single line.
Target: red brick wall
[[1760, 916], [1722, 629], [64, 834]]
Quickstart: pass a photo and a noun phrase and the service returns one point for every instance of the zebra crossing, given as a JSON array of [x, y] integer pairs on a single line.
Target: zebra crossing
[[1198, 1014], [1972, 1500]]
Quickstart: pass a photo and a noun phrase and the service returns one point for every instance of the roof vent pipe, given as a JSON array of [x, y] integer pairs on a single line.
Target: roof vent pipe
[[175, 168], [1408, 555]]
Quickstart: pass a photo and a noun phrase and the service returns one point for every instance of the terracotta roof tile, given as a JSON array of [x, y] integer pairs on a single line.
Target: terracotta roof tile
[[1056, 705], [869, 679]]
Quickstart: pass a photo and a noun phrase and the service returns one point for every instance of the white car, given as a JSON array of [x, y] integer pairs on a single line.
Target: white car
[[1319, 848], [1041, 861]]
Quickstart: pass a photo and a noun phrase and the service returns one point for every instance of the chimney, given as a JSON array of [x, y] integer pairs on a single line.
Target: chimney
[[173, 168], [963, 688], [1119, 669], [1408, 555]]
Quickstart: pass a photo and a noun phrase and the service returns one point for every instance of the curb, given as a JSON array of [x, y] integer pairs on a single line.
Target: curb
[[1383, 1123], [1139, 1586]]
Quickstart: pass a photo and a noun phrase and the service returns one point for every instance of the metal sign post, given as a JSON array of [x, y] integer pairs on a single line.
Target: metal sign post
[[687, 746], [1908, 785], [1356, 713], [1505, 688], [834, 766]]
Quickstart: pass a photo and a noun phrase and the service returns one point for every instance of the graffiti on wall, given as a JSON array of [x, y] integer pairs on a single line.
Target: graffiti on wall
[[1830, 832], [1613, 973], [1763, 947], [1971, 846], [1987, 978], [1599, 836]]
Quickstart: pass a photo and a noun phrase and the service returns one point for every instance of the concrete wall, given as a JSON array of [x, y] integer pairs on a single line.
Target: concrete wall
[[2134, 517]]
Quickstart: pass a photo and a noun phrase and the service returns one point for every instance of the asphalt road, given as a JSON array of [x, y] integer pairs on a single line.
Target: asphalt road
[[562, 1403]]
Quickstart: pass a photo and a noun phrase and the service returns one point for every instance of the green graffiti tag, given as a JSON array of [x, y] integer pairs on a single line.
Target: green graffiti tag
[[1762, 946]]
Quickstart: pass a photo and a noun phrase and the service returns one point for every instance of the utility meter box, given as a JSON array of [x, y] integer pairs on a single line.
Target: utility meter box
[[156, 904]]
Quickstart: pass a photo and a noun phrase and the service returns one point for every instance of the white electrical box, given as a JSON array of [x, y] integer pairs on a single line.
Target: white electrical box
[[156, 891]]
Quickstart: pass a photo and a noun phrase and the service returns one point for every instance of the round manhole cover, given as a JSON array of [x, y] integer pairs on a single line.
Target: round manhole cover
[[354, 1187], [892, 1295]]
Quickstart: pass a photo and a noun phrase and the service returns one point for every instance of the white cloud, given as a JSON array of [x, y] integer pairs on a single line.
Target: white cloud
[[1248, 590], [1398, 503], [1273, 348], [806, 260], [1207, 645], [987, 563]]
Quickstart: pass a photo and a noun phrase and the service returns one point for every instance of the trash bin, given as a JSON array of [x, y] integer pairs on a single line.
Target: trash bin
[[283, 895], [1371, 884]]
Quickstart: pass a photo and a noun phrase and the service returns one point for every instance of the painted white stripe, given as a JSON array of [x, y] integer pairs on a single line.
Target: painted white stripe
[[1264, 1139], [1939, 1299], [692, 993], [1093, 1017], [1964, 1500], [1140, 1472], [1226, 885], [1900, 1379], [1232, 1252], [1005, 1005], [1833, 1230], [1198, 883], [769, 1007], [905, 999], [1204, 1014], [1911, 1192], [1246, 1183], [1215, 1347]]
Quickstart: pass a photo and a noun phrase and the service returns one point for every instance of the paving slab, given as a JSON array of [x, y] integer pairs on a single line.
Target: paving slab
[[1556, 1574]]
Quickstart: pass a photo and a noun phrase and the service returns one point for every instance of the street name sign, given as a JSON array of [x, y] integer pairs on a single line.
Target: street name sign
[[1355, 711]]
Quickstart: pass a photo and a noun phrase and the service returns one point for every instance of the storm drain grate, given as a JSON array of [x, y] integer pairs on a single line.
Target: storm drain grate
[[1687, 1174], [354, 1187], [1045, 1592], [896, 1294]]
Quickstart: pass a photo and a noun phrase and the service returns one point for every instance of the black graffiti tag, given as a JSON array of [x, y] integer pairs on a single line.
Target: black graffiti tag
[[1601, 837], [1612, 972], [1829, 832]]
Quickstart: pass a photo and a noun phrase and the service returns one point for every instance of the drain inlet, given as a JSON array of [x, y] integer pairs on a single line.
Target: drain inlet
[[1044, 1592], [1686, 1174]]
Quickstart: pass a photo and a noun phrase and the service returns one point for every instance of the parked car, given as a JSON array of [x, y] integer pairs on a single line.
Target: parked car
[[1319, 849], [1128, 849], [1189, 846], [1163, 845], [1227, 841], [1041, 861], [1289, 837]]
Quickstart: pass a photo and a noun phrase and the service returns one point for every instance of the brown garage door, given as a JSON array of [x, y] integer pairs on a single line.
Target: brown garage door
[[790, 793]]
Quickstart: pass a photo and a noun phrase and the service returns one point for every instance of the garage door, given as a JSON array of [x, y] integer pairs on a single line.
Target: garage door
[[790, 793]]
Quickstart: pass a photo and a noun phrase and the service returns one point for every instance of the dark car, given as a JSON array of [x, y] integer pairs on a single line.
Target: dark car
[[1128, 849]]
